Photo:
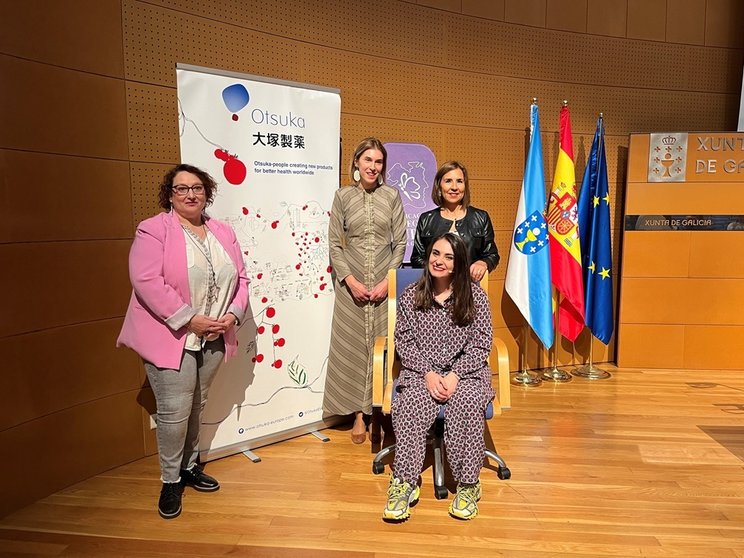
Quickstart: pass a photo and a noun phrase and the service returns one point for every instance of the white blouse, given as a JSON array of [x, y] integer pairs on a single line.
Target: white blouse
[[212, 280]]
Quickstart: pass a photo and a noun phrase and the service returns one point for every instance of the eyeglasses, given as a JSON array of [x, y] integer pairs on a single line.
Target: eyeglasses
[[182, 189]]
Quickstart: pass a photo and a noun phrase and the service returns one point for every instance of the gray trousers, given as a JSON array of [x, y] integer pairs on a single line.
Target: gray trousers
[[180, 396]]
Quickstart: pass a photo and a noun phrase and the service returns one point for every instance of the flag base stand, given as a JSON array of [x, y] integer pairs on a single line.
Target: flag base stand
[[525, 378], [556, 375], [591, 372]]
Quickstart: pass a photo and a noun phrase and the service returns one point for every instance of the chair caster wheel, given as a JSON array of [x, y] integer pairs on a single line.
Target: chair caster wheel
[[377, 468], [441, 492], [504, 473]]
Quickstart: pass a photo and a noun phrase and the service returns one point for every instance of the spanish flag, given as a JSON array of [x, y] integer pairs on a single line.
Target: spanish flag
[[563, 229]]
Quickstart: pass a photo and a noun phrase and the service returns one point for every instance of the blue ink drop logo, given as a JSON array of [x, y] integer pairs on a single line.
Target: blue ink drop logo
[[235, 97]]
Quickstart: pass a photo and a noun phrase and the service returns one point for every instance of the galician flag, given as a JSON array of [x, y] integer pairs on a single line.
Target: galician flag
[[563, 226], [594, 226], [528, 274]]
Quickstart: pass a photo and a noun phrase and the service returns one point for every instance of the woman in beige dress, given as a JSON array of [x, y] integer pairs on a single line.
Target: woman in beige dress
[[367, 237]]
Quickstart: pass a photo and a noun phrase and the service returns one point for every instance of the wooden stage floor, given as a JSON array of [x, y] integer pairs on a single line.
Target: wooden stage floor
[[646, 463]]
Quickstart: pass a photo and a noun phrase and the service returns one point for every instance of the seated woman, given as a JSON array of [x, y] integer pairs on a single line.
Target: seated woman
[[451, 192], [443, 335]]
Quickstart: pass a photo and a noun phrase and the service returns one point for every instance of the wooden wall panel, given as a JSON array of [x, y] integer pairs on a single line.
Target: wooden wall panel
[[56, 450], [686, 21], [651, 346], [55, 110], [647, 19], [73, 198], [711, 347], [682, 301], [692, 199], [607, 18], [723, 23], [566, 15], [526, 12], [76, 364], [489, 9], [63, 283], [717, 254], [642, 251], [692, 279], [146, 179], [83, 35], [153, 123]]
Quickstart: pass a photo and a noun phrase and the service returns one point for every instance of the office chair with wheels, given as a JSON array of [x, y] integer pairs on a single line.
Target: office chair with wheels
[[385, 370]]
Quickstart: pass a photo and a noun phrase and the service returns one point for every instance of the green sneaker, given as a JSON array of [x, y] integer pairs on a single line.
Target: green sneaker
[[401, 496], [465, 503]]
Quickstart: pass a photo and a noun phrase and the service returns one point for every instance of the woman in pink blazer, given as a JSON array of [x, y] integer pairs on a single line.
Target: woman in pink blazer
[[189, 292]]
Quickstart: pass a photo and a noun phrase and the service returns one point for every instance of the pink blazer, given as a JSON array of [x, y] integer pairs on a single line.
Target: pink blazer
[[159, 309]]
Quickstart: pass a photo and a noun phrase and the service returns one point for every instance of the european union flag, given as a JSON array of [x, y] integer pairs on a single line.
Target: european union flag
[[594, 232]]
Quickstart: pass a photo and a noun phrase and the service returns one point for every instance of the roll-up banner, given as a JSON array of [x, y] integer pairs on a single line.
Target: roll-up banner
[[273, 148]]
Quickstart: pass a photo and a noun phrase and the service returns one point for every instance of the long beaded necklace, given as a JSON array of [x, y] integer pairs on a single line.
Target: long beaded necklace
[[204, 247]]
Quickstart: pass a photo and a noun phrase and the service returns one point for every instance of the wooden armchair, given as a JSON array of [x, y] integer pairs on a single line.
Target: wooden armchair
[[386, 367]]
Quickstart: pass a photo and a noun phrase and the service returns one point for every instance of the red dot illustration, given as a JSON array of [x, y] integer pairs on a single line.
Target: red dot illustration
[[259, 358], [264, 300], [235, 117], [329, 269], [322, 286], [298, 266], [280, 341], [260, 329], [270, 312], [275, 328], [274, 224], [317, 239], [315, 295], [259, 275], [277, 363], [245, 211], [234, 170]]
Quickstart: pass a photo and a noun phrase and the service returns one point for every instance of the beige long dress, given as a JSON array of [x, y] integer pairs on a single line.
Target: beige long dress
[[367, 236]]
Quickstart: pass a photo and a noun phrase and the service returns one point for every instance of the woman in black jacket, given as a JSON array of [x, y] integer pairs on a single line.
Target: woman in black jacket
[[455, 214]]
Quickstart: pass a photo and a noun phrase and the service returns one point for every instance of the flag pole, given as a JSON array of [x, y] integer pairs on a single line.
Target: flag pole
[[525, 377], [589, 371], [553, 373]]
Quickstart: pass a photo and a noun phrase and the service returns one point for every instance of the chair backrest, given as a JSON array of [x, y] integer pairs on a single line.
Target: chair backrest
[[398, 280]]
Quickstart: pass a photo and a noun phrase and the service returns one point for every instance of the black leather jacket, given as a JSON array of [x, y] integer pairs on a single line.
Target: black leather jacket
[[475, 229]]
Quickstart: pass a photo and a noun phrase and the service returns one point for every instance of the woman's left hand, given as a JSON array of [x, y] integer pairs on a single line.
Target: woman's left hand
[[228, 320], [449, 382], [478, 270], [379, 292]]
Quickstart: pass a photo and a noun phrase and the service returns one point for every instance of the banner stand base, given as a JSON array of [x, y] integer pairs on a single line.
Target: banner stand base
[[252, 456], [320, 436]]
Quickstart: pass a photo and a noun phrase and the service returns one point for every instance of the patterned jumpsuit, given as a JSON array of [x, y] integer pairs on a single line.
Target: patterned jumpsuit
[[429, 340]]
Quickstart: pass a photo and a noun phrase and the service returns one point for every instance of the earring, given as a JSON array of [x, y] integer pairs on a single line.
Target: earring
[[357, 177], [380, 180]]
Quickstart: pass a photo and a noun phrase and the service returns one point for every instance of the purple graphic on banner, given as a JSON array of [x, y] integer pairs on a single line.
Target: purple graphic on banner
[[411, 168]]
